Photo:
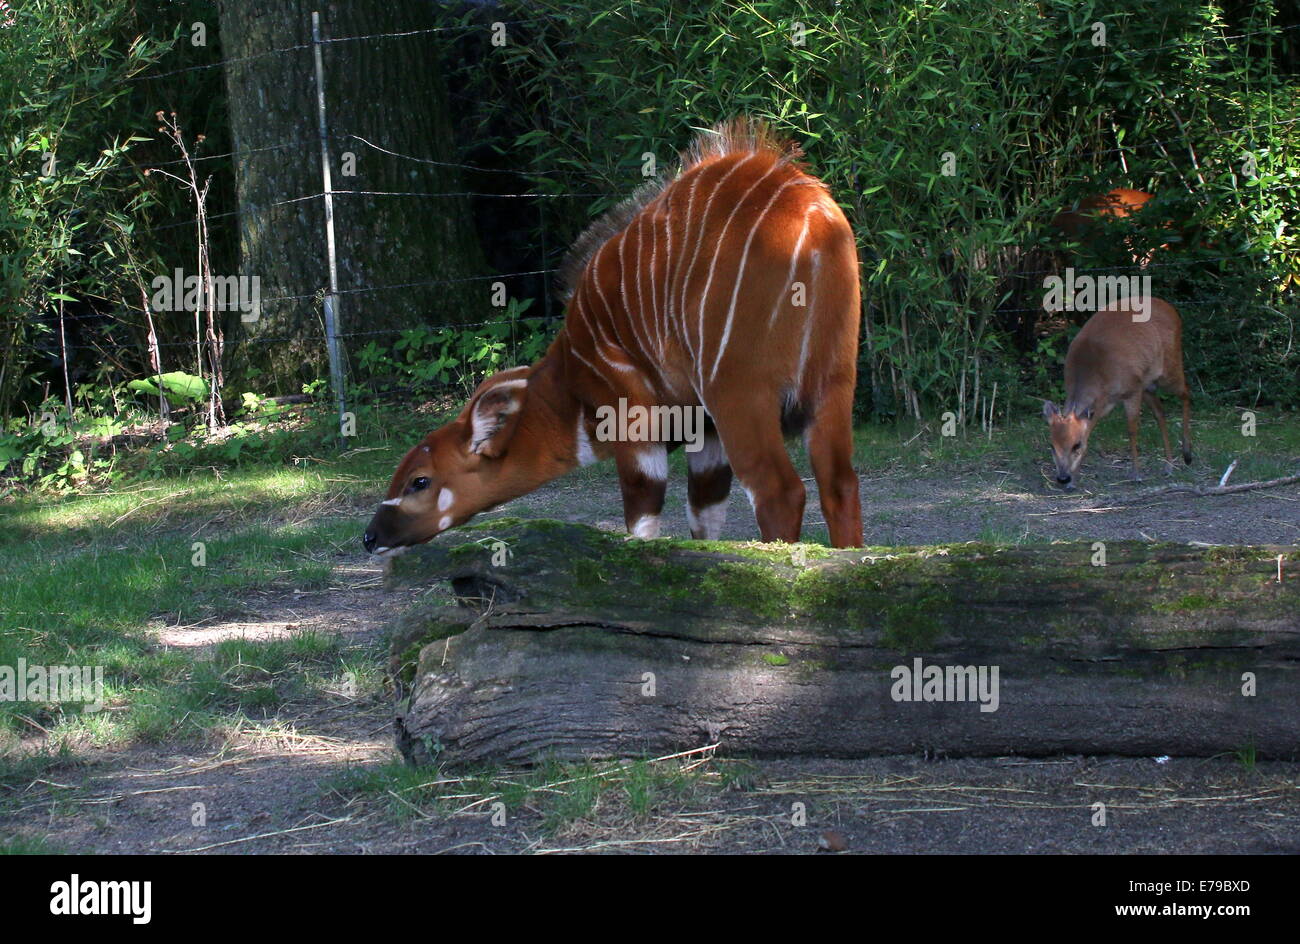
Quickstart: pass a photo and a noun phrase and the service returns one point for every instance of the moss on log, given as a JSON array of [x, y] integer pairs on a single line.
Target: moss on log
[[583, 644]]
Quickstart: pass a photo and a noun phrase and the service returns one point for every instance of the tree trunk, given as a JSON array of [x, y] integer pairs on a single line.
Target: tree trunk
[[584, 645], [388, 91]]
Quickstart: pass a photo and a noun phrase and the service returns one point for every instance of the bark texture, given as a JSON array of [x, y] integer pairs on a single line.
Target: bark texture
[[585, 645], [388, 91]]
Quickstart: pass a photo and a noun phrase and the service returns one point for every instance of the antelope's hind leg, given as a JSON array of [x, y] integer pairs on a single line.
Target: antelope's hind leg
[[750, 429], [1153, 400], [829, 439]]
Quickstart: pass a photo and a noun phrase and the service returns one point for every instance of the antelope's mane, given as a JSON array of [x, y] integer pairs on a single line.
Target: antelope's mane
[[737, 136]]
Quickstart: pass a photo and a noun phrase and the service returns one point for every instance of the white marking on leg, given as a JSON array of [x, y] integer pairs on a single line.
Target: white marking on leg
[[646, 527], [653, 462], [586, 455], [706, 522], [709, 457]]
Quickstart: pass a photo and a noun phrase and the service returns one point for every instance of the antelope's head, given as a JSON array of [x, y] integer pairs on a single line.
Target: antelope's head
[[1069, 433], [457, 471]]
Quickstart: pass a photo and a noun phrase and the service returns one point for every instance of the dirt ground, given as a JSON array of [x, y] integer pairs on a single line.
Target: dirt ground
[[280, 792], [1012, 505]]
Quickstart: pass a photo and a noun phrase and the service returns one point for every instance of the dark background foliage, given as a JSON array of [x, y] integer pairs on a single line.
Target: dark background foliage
[[1030, 113]]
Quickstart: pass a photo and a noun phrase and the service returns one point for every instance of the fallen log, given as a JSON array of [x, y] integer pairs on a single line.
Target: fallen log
[[562, 641]]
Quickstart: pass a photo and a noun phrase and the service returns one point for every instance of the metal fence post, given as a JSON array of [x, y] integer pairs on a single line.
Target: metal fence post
[[332, 296]]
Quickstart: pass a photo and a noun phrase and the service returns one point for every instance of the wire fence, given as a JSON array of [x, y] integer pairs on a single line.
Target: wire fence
[[332, 298]]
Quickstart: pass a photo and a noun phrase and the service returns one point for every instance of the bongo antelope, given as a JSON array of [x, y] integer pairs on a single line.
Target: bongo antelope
[[731, 287]]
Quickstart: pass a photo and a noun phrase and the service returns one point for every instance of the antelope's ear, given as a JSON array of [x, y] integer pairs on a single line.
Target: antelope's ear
[[493, 416], [1049, 410]]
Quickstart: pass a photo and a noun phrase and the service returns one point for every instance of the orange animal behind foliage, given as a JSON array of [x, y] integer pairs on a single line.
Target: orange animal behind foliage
[[1082, 223], [731, 289], [1117, 358]]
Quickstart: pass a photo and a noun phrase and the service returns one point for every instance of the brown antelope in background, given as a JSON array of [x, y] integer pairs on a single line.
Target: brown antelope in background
[[1081, 223], [732, 287], [1118, 358]]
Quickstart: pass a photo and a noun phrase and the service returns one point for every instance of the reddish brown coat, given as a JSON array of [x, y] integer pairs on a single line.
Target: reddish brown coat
[[733, 288]]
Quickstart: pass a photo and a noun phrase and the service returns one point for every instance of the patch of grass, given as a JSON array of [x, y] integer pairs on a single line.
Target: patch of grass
[[560, 793], [1247, 756], [27, 845], [18, 770], [1217, 439], [996, 533], [90, 579]]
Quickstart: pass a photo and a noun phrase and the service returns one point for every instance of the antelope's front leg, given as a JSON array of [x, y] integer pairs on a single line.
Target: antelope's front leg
[[643, 478]]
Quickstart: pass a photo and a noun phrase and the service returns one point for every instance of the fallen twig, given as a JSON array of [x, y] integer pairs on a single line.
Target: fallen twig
[[1216, 489], [1227, 473]]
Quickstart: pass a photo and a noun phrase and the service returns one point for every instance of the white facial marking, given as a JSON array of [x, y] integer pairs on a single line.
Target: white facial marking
[[653, 463], [391, 501], [445, 523], [445, 498], [646, 527], [706, 523]]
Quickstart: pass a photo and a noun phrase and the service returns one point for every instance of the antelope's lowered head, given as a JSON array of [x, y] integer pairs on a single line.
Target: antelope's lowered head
[[492, 452], [1069, 434]]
